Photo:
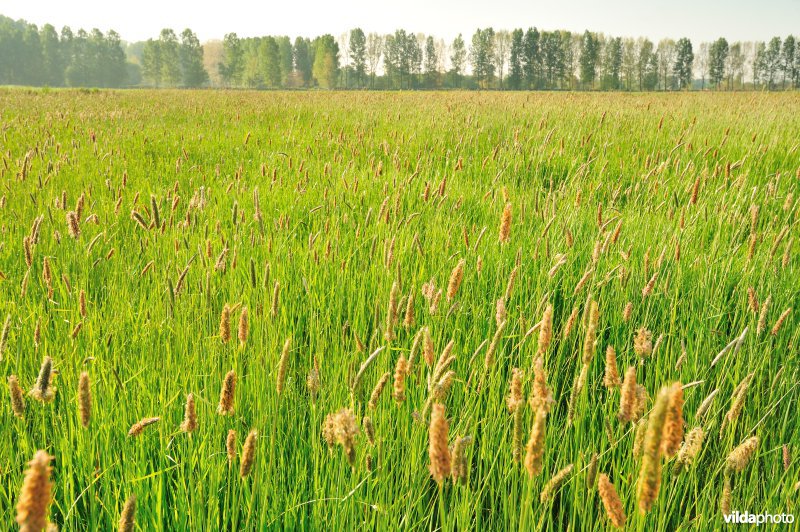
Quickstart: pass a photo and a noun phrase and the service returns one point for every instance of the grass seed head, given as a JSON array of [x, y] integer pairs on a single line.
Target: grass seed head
[[642, 343], [43, 390], [84, 399], [226, 395], [611, 501], [34, 499], [225, 324], [127, 519], [138, 427], [190, 415], [248, 454], [438, 451], [555, 483], [611, 376], [534, 450], [650, 472], [244, 326], [627, 404], [738, 459], [230, 446], [673, 425], [17, 399]]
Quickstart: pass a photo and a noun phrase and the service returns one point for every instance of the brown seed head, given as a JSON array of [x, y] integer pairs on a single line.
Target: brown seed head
[[642, 343], [400, 372], [138, 427], [456, 276], [34, 499], [555, 483], [627, 404], [226, 396], [438, 451], [244, 326], [84, 399], [673, 425], [248, 454], [611, 502], [534, 451], [738, 458], [505, 224], [545, 331], [225, 324], [230, 446], [127, 519], [42, 390], [17, 400], [190, 415], [650, 472], [611, 377]]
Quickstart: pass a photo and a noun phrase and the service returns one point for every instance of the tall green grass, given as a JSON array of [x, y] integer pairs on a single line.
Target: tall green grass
[[324, 163]]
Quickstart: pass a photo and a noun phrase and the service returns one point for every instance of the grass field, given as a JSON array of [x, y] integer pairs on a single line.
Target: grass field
[[664, 226]]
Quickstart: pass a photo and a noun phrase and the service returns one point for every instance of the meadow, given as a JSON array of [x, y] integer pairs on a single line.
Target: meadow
[[467, 310]]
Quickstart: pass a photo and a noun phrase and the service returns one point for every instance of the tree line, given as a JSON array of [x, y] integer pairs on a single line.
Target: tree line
[[522, 59]]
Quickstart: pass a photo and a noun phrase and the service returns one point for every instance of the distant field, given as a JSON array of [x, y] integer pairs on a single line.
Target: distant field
[[138, 226]]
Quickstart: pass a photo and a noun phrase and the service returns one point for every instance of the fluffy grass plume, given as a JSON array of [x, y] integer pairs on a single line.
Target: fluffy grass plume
[[650, 472], [127, 518], [84, 399], [35, 497], [227, 394], [611, 501], [438, 451]]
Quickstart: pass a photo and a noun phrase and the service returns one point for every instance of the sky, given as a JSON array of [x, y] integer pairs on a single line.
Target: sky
[[700, 20]]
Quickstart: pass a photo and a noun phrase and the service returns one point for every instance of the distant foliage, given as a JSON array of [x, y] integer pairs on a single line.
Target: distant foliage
[[521, 59]]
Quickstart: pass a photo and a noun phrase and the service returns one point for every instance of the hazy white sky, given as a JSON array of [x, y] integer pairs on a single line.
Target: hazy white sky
[[697, 19]]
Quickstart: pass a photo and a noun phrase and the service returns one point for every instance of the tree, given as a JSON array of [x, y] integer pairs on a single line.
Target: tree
[[515, 72], [703, 61], [789, 57], [569, 56], [666, 58], [552, 54], [647, 67], [193, 73], [114, 66], [759, 53], [414, 51], [326, 61], [431, 63], [286, 59], [612, 63], [343, 43], [458, 59], [735, 65], [401, 56], [629, 55], [170, 57], [374, 51], [684, 58], [52, 59], [302, 60], [772, 61], [589, 53], [270, 62], [30, 59], [233, 67], [152, 67], [502, 47], [482, 55], [717, 55], [358, 53], [531, 60]]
